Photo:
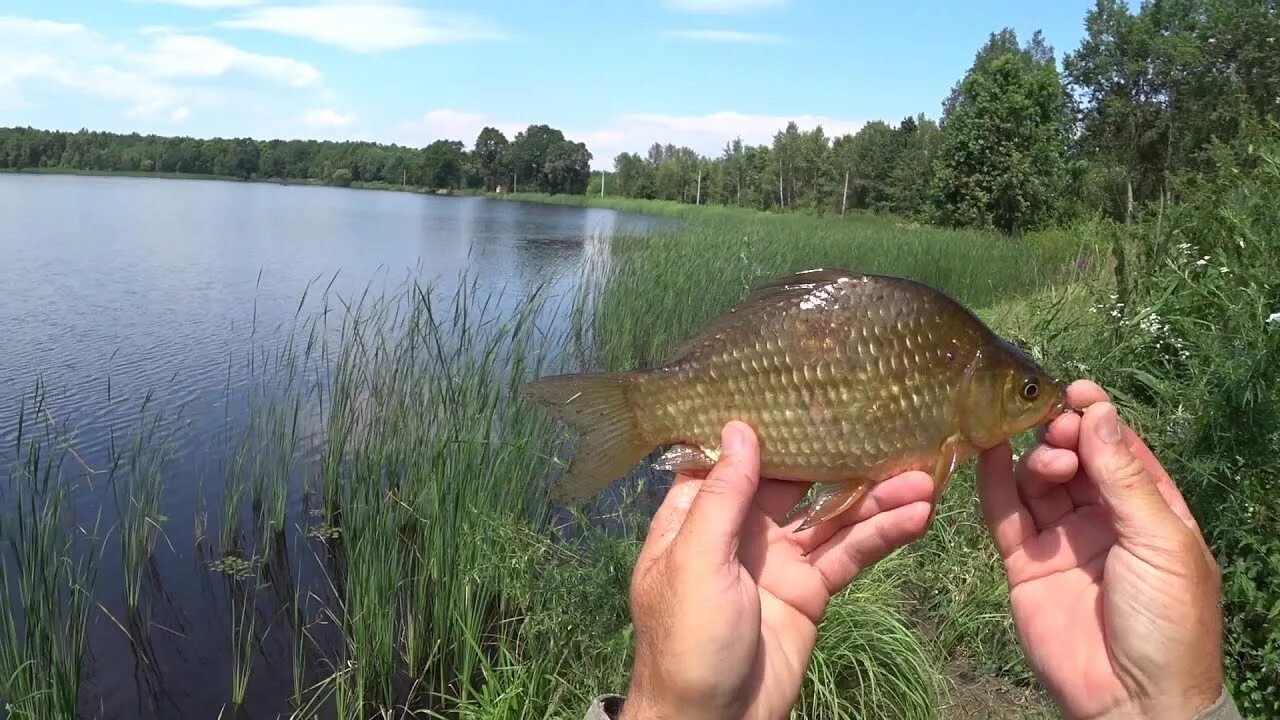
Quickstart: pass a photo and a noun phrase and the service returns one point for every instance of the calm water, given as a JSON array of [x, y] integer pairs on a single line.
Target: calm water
[[111, 288]]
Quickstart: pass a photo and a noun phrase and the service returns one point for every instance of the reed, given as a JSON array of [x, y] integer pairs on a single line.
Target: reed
[[47, 570]]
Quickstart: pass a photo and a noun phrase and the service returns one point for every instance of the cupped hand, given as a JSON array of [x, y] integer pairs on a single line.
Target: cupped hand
[[1113, 590], [726, 602]]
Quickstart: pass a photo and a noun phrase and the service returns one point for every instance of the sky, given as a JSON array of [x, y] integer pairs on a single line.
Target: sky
[[617, 75]]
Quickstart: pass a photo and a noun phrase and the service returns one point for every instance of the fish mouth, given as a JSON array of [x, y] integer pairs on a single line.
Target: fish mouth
[[1060, 406]]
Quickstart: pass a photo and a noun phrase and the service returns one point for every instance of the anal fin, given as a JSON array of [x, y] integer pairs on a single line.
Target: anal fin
[[830, 502]]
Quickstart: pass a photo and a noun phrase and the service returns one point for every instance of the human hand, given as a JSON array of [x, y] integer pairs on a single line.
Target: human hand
[[1113, 590], [726, 602]]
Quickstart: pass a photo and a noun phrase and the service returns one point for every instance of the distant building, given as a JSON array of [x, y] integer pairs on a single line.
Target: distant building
[[501, 189]]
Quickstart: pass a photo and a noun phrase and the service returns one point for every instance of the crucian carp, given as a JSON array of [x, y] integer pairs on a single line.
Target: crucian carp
[[847, 379]]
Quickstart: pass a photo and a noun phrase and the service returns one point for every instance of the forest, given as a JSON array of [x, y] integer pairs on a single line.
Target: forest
[[539, 159]]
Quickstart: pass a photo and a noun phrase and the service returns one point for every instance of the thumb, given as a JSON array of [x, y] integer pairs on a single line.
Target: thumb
[[1123, 480], [715, 518]]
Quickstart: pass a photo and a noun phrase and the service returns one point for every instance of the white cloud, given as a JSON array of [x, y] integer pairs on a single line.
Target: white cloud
[[366, 27], [723, 6], [197, 56], [22, 27], [726, 36], [205, 4], [447, 124], [158, 77], [326, 118]]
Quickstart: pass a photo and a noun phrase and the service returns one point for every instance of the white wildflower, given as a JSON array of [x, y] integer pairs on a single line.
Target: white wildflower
[[1240, 242], [1202, 261], [1224, 270], [1274, 319]]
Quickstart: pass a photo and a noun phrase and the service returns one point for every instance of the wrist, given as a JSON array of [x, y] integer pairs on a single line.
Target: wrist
[[1180, 706]]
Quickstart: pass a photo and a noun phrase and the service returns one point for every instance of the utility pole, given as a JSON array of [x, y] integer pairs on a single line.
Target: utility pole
[[698, 201], [844, 199], [404, 178], [601, 183]]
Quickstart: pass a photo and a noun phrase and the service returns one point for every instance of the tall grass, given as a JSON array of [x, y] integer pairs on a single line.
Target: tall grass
[[687, 275], [136, 478], [46, 581]]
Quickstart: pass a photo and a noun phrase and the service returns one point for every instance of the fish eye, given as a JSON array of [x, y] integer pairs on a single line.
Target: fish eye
[[1030, 389]]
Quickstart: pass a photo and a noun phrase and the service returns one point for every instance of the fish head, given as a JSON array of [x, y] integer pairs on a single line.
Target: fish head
[[1008, 393]]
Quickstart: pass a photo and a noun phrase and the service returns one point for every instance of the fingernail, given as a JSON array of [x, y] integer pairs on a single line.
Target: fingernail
[[1109, 427]]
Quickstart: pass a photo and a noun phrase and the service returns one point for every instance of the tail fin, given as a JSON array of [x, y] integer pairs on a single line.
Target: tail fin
[[609, 442]]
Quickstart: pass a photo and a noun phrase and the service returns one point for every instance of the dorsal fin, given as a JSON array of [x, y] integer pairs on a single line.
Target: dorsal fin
[[777, 291]]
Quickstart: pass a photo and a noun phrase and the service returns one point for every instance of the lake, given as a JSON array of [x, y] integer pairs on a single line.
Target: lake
[[122, 290]]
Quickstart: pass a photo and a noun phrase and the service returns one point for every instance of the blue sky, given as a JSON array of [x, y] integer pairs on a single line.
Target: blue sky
[[616, 75]]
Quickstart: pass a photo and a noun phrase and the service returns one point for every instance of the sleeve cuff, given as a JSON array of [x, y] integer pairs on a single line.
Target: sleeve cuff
[[609, 707], [1224, 708]]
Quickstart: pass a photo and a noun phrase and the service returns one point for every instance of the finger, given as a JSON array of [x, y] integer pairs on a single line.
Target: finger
[[1008, 520], [1063, 432], [1165, 484], [1083, 393], [859, 546], [1083, 492], [1126, 486], [895, 492], [715, 518], [1040, 477], [669, 517], [776, 497]]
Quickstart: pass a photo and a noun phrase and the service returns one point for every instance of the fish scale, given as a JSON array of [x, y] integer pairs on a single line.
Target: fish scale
[[846, 379]]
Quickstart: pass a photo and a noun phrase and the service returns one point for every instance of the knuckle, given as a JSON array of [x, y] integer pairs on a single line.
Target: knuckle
[[1127, 473]]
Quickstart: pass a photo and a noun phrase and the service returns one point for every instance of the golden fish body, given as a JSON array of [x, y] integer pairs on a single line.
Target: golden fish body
[[847, 380]]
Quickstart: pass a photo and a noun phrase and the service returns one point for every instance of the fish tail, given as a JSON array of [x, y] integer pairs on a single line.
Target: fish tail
[[596, 405]]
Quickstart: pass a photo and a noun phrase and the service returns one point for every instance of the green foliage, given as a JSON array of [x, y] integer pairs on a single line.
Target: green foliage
[[1004, 138], [1198, 347], [341, 178]]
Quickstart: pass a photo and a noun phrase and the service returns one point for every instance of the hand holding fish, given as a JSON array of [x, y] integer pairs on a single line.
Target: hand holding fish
[[1114, 591], [726, 601]]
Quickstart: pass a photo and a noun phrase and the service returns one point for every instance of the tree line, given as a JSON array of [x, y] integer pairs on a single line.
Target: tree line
[[1020, 142], [538, 159]]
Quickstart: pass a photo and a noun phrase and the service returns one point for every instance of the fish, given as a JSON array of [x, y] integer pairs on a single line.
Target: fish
[[847, 379]]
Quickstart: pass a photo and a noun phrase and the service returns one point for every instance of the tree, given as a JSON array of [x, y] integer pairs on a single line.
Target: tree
[[1121, 116], [442, 164], [567, 168], [1004, 143], [489, 156], [527, 155], [869, 157], [906, 190]]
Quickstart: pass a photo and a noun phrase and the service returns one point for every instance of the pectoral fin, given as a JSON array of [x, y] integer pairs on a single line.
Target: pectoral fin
[[954, 451], [830, 502], [687, 459]]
